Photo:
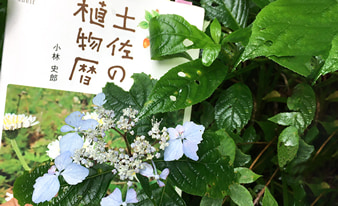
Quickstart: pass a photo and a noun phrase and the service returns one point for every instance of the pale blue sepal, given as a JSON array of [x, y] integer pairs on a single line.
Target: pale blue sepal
[[88, 124], [99, 99], [63, 160], [164, 174], [147, 171], [131, 196], [45, 188], [113, 199], [190, 149], [75, 173], [70, 142], [193, 132], [66, 128], [74, 119], [174, 151]]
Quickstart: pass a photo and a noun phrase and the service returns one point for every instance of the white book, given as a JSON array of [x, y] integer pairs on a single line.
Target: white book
[[80, 45]]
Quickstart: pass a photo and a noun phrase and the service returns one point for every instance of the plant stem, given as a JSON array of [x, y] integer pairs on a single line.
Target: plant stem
[[18, 153]]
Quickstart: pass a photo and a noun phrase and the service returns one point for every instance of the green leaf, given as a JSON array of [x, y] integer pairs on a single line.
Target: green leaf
[[171, 34], [240, 195], [262, 3], [240, 35], [215, 31], [289, 119], [227, 146], [241, 159], [88, 192], [246, 175], [210, 176], [234, 107], [207, 201], [268, 199], [118, 99], [144, 25], [288, 143], [184, 85], [303, 100], [230, 13], [286, 29], [303, 154], [148, 16], [165, 196], [331, 63]]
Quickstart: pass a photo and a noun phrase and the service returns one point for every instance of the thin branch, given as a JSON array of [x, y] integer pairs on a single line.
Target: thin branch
[[260, 194], [323, 145], [261, 153], [316, 200]]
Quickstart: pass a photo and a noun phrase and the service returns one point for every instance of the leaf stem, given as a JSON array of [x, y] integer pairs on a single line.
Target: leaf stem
[[18, 153]]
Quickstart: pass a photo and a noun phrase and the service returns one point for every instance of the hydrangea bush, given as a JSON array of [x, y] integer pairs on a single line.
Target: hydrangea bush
[[263, 106]]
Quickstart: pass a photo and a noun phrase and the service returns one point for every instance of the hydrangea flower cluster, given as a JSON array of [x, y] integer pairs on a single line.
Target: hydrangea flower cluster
[[84, 146]]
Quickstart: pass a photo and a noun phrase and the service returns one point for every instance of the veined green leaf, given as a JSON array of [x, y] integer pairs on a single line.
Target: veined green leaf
[[210, 176], [240, 195], [165, 196], [171, 34], [268, 199], [331, 63], [230, 13], [227, 146], [207, 201], [234, 107], [184, 85], [88, 192], [288, 143], [303, 100], [215, 31], [246, 175], [293, 31]]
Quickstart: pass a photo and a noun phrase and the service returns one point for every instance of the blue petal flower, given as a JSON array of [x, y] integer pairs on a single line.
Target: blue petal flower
[[99, 99], [70, 142], [183, 140], [151, 171], [76, 123], [45, 188]]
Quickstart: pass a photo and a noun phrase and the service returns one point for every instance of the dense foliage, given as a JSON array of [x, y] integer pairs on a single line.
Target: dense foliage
[[265, 90]]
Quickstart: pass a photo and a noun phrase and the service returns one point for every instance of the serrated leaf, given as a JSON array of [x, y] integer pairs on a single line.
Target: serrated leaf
[[171, 34], [240, 195], [246, 175], [162, 196], [234, 107], [286, 29], [230, 13], [268, 199], [241, 159], [210, 176], [215, 31], [89, 192], [288, 143], [184, 85], [118, 99]]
